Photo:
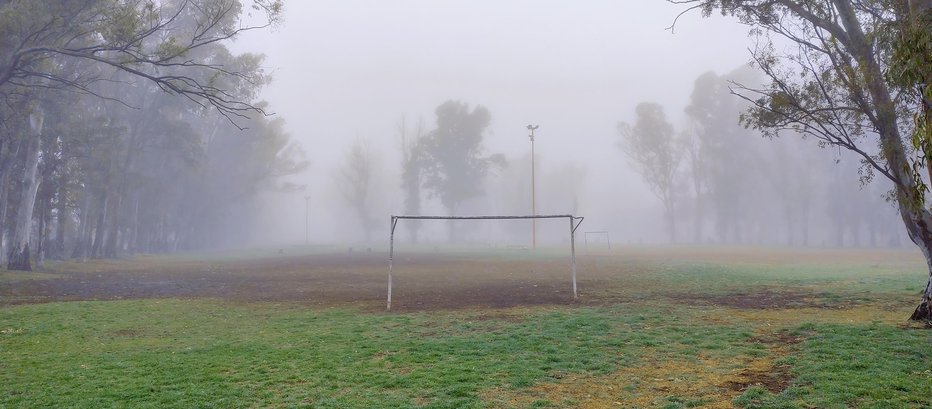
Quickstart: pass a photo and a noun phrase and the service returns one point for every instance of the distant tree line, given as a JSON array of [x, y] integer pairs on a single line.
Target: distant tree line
[[447, 163], [856, 75], [128, 126], [732, 186]]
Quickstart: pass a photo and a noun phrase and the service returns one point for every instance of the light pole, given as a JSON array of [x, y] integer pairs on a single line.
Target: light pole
[[307, 217], [531, 129]]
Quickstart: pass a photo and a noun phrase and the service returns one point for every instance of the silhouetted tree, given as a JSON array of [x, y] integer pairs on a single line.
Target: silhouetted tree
[[455, 164], [71, 150], [654, 152], [412, 169], [726, 151], [354, 180]]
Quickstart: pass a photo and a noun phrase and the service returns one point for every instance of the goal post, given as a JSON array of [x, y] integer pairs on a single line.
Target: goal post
[[573, 220]]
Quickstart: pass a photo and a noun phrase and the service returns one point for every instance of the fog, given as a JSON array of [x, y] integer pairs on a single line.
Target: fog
[[318, 121], [353, 70]]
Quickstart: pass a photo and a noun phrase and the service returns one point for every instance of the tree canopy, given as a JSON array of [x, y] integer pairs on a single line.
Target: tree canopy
[[651, 145], [79, 45], [454, 157], [128, 125]]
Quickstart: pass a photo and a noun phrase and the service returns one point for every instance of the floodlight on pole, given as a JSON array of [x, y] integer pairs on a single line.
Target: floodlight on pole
[[307, 217], [531, 129]]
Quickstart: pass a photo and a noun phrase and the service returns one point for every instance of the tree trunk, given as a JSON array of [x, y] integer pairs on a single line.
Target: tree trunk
[[918, 226], [113, 232], [671, 216], [61, 220], [915, 216], [19, 243], [923, 311], [41, 234], [101, 224], [919, 16], [697, 238], [131, 232], [6, 165], [80, 246], [3, 207]]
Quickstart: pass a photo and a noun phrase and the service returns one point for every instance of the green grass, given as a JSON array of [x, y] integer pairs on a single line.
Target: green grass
[[179, 353], [647, 348], [865, 366], [211, 354]]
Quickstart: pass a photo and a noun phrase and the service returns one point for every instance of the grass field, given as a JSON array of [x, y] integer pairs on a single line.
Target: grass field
[[673, 327]]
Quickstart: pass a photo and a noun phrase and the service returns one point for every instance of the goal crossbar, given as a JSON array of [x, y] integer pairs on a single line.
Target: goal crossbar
[[574, 224]]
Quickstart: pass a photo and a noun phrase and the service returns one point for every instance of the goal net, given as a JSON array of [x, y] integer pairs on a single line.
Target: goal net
[[573, 224]]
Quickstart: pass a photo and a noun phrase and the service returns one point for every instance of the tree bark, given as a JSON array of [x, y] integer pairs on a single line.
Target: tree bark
[[5, 162], [113, 229], [101, 224], [920, 13], [671, 215], [42, 239], [700, 211], [80, 246], [915, 216], [19, 243], [61, 220], [6, 165]]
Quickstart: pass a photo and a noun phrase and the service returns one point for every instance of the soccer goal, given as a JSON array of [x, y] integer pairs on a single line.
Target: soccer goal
[[597, 237], [574, 223]]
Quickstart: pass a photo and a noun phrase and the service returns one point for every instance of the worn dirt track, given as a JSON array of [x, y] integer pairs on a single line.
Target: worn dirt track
[[421, 282]]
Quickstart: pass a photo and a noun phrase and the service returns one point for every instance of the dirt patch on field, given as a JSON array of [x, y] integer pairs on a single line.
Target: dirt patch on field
[[421, 282], [767, 372]]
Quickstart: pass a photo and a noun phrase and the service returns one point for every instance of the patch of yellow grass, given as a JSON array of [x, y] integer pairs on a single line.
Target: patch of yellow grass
[[713, 382], [710, 381]]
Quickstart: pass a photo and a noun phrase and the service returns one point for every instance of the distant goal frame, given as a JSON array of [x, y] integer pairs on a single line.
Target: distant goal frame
[[606, 233], [574, 221]]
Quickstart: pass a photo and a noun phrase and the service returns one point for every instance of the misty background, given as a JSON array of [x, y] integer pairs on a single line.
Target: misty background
[[177, 126], [350, 73]]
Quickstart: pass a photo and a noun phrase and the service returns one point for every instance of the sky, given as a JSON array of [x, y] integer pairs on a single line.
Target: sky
[[352, 69]]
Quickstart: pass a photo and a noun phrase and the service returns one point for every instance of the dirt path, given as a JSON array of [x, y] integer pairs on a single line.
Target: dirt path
[[422, 282]]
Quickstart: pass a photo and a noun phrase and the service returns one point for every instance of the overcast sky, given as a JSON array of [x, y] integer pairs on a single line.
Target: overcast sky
[[346, 69]]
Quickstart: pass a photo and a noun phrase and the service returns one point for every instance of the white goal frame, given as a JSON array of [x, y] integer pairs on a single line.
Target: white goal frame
[[574, 224]]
